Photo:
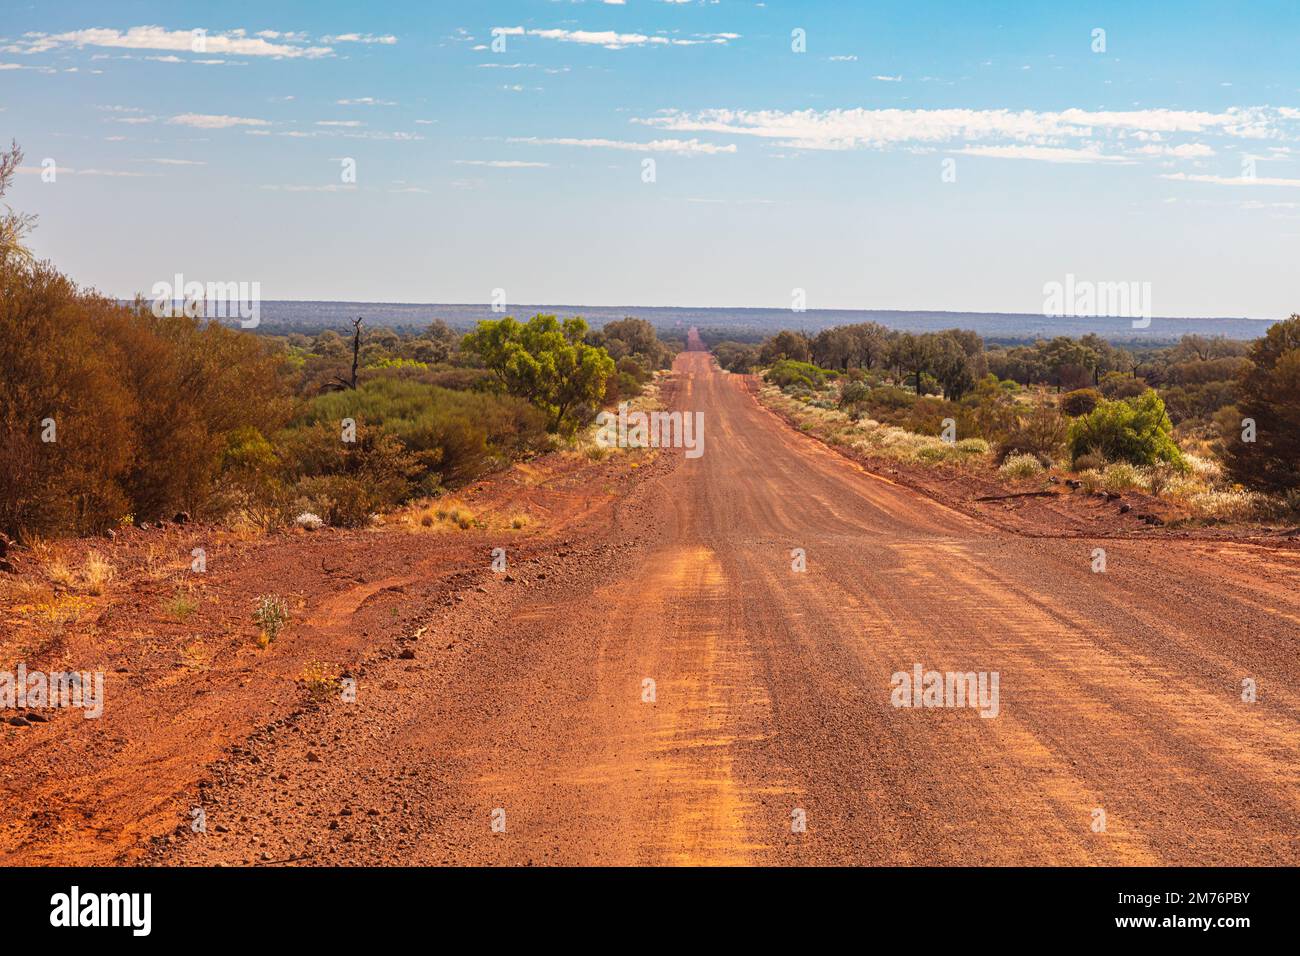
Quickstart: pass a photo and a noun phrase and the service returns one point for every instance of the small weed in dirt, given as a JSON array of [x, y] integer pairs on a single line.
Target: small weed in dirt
[[320, 680], [196, 656], [181, 605], [60, 573], [271, 614], [519, 522], [98, 572]]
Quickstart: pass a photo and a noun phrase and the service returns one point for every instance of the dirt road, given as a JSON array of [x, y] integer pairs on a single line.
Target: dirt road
[[523, 730]]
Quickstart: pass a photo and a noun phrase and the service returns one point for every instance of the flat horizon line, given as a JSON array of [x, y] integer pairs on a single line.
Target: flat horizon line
[[762, 308]]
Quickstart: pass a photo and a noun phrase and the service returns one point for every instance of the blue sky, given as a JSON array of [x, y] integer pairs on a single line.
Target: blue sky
[[1172, 157]]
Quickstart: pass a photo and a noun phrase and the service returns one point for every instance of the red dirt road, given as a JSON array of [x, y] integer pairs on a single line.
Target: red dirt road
[[1119, 692]]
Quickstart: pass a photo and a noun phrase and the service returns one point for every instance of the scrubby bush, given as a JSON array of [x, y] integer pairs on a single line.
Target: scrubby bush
[[1121, 476], [1089, 462], [1136, 430], [345, 482], [453, 436], [1021, 466], [1118, 385], [1040, 432], [787, 373], [1080, 402], [136, 411]]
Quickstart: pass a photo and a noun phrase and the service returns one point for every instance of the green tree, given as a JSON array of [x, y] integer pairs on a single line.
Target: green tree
[[785, 345], [1270, 397], [546, 362], [1136, 430]]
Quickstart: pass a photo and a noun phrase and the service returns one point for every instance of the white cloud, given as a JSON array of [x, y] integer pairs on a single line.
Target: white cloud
[[160, 38], [864, 128], [365, 101], [339, 123], [500, 163], [387, 40], [612, 40], [1046, 154], [684, 146], [210, 121], [332, 188], [1231, 180], [1184, 151]]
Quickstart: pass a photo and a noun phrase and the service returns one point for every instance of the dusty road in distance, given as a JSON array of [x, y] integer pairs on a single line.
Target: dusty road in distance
[[1119, 693]]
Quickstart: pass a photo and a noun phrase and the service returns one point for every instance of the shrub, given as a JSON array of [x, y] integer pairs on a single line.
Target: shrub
[[1121, 476], [345, 482], [788, 372], [309, 521], [141, 407], [1040, 433], [1080, 401], [1117, 385], [271, 613], [1135, 430], [853, 393], [453, 437], [1089, 462], [1021, 466], [343, 501]]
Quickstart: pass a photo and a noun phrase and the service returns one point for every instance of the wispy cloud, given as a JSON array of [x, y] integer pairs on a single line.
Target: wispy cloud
[[1048, 154], [211, 121], [500, 163], [683, 146], [879, 128], [1231, 180], [386, 39], [612, 40], [235, 42]]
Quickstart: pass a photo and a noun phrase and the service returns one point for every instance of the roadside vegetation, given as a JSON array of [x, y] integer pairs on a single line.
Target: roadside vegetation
[[1211, 425], [110, 415]]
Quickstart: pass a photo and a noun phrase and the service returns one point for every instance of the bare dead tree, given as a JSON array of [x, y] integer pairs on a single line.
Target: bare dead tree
[[340, 383]]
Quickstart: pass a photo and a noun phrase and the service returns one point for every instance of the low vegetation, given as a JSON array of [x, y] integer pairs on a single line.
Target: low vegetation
[[1210, 424], [111, 415]]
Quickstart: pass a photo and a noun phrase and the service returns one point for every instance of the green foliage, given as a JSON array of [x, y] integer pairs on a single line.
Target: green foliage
[[547, 363], [1136, 430], [1270, 396], [787, 372], [633, 339], [453, 436], [736, 356], [785, 345]]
